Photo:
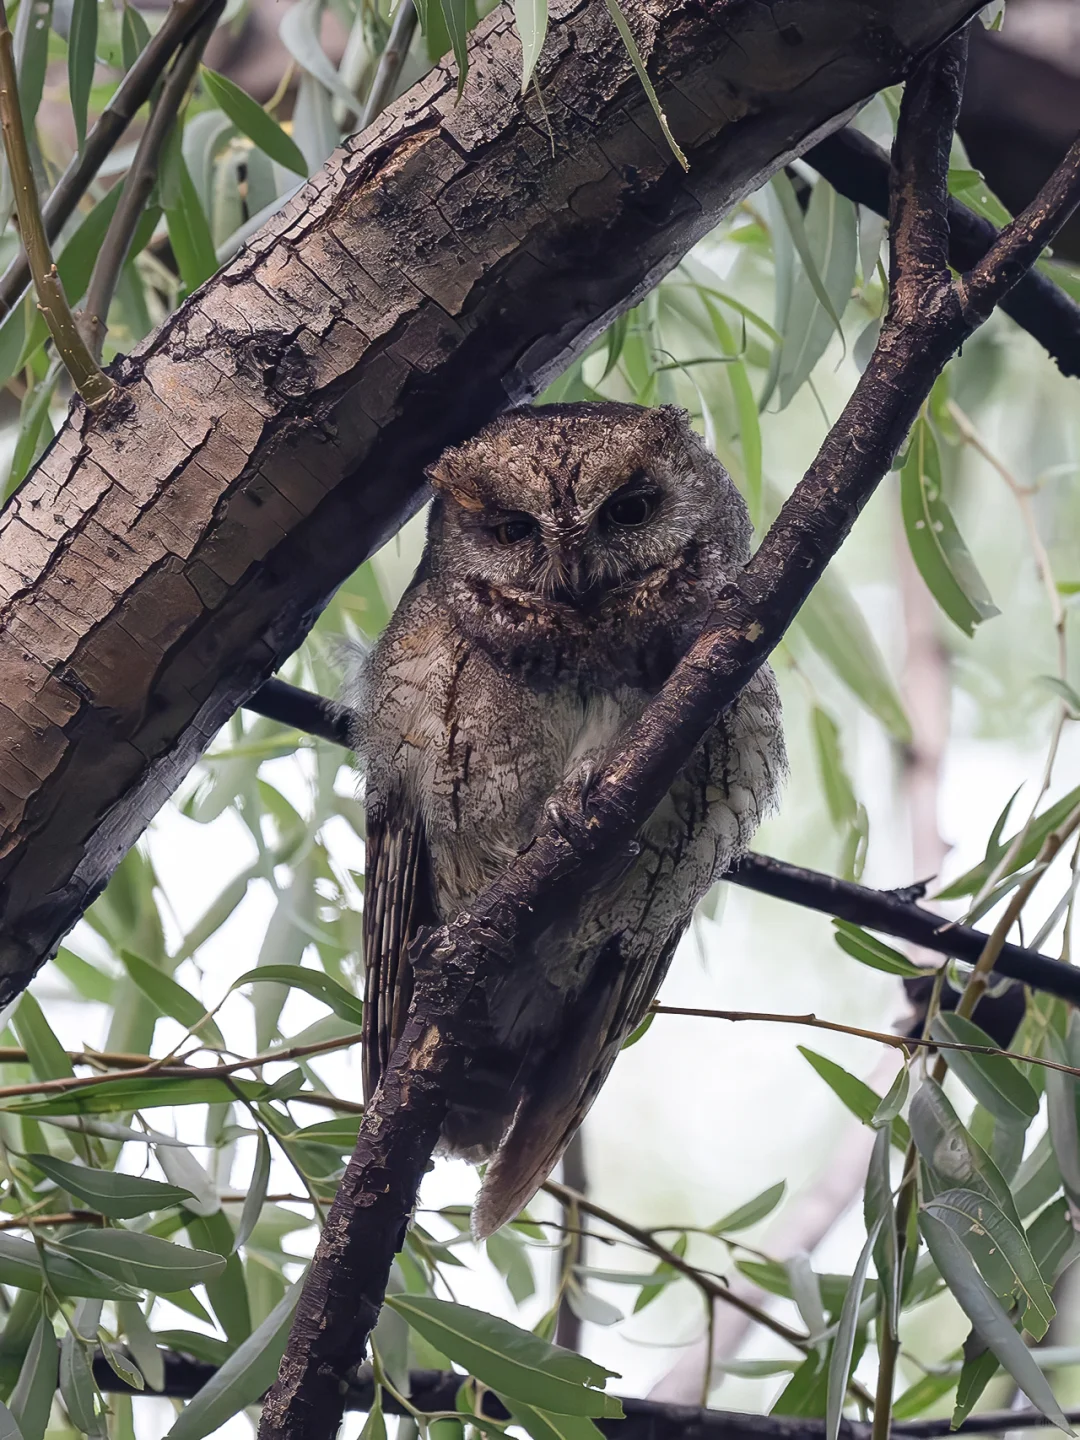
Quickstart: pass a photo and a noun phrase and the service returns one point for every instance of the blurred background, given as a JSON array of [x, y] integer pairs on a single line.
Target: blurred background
[[907, 739]]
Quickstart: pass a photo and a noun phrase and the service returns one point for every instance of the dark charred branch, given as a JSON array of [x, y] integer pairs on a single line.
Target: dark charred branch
[[859, 169], [930, 315], [170, 551], [891, 912], [437, 1390], [302, 710]]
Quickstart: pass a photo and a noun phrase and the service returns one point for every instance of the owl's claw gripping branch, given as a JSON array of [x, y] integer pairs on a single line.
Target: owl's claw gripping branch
[[930, 315]]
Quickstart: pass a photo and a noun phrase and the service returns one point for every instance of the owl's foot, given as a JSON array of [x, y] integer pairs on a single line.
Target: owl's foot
[[567, 810]]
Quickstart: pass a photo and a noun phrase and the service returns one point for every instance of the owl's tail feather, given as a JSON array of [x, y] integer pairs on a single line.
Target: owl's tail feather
[[565, 1083]]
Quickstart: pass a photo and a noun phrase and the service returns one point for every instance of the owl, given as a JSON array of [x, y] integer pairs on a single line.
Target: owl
[[573, 554]]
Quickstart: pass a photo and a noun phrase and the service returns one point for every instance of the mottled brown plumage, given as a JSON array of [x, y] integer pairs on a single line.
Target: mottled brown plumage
[[573, 553]]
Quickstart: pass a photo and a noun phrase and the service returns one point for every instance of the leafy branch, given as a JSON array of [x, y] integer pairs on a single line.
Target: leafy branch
[[89, 379]]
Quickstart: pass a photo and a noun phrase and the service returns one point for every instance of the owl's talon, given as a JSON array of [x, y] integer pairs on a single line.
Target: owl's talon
[[590, 774], [558, 817]]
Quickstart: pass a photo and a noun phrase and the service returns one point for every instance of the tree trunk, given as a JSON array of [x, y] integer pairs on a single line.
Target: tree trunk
[[170, 552]]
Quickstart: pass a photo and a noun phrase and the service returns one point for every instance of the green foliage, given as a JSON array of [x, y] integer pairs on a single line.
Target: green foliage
[[134, 1221]]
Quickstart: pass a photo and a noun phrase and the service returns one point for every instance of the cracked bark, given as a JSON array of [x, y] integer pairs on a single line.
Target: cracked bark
[[168, 554]]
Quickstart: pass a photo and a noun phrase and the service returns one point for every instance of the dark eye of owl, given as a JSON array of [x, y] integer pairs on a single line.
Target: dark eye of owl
[[631, 511], [514, 529]]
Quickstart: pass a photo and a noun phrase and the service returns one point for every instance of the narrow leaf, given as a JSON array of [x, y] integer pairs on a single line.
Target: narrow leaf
[[627, 37], [121, 1197], [835, 626], [20, 1265], [844, 1344], [1001, 1252], [31, 1400], [894, 1101], [868, 950], [994, 1080], [511, 1361], [170, 998], [256, 1195], [299, 30], [879, 1211], [974, 879], [859, 1098], [343, 1004], [953, 1156], [543, 1425], [984, 1311], [828, 248], [243, 1379], [143, 1260], [753, 1211], [252, 120], [77, 1388], [82, 57], [531, 18], [189, 231], [48, 1058], [936, 544]]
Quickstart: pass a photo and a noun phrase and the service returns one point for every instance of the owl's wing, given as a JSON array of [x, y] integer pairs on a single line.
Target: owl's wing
[[565, 1082], [397, 903]]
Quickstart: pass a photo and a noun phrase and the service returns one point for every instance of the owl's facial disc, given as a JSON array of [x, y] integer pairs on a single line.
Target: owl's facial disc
[[562, 553]]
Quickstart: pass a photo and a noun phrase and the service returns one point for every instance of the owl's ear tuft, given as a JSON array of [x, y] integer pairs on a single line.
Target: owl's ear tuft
[[672, 419], [450, 480]]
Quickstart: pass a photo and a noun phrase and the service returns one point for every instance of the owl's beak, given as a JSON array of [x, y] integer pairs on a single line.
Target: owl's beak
[[573, 584]]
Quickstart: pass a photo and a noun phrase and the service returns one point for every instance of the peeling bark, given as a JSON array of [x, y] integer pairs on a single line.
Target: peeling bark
[[168, 553]]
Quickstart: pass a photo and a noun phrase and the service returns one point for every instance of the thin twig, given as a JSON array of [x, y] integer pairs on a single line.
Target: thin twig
[[63, 1217], [141, 178], [391, 62], [905, 1043], [153, 1068], [89, 379], [715, 1289]]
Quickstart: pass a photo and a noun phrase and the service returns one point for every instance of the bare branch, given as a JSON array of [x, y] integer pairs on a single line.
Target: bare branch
[[89, 379], [142, 176], [135, 89], [859, 169]]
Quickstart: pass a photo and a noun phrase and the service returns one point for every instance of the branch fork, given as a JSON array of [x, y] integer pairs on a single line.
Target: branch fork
[[929, 317]]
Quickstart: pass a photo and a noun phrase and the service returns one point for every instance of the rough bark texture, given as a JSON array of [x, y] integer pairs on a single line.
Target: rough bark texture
[[168, 553]]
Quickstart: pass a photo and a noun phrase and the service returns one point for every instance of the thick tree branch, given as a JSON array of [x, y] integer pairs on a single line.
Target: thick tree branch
[[859, 169], [929, 316], [168, 554], [892, 912]]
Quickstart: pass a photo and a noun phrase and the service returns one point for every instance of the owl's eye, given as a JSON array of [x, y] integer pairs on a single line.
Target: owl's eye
[[630, 512], [514, 530]]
